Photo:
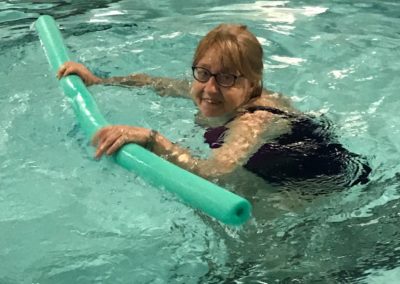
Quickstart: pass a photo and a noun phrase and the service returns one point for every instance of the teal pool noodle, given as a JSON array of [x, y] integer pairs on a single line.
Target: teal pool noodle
[[199, 193]]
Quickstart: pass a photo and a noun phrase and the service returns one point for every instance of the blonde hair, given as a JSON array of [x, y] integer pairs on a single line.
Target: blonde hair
[[240, 52]]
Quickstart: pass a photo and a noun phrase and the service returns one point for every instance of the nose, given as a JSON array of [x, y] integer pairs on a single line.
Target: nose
[[211, 86]]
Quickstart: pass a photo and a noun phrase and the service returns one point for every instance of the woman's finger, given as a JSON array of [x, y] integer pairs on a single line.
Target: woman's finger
[[106, 140], [102, 147], [99, 135], [61, 71], [63, 68], [71, 70], [100, 151], [111, 137], [121, 141], [96, 137]]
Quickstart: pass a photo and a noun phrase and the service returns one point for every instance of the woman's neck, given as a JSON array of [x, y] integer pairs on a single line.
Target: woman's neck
[[213, 121]]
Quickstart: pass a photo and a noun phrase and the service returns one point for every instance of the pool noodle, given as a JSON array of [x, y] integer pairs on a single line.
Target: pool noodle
[[199, 193]]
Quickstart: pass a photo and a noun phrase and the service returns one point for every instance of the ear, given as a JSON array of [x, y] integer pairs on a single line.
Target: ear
[[256, 88], [253, 86]]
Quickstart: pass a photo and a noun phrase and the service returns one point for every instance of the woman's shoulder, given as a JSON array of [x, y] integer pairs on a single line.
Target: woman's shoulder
[[276, 100], [268, 101]]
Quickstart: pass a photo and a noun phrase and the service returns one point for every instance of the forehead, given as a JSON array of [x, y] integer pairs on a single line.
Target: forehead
[[218, 61], [211, 57]]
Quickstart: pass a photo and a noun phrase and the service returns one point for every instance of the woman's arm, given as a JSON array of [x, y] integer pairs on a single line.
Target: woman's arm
[[246, 134], [164, 86]]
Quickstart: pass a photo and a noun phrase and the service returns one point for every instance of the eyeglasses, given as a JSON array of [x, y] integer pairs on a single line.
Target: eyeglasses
[[203, 75]]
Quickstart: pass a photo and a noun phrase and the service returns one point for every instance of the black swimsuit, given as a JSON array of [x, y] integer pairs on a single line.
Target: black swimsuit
[[309, 151]]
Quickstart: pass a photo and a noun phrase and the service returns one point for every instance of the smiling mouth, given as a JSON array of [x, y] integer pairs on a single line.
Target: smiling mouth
[[210, 101]]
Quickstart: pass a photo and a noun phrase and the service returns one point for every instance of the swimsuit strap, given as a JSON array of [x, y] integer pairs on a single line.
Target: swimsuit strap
[[271, 110]]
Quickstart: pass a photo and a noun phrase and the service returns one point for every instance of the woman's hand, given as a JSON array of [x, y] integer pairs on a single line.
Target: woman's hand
[[109, 139], [70, 67]]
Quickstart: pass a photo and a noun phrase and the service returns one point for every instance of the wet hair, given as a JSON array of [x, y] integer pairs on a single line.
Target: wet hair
[[240, 52]]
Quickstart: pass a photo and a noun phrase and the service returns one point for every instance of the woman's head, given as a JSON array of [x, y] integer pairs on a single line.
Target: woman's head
[[229, 49]]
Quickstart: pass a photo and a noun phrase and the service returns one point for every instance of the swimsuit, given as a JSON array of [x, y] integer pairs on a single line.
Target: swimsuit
[[309, 151]]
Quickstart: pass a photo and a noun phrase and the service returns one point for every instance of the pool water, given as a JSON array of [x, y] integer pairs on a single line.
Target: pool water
[[67, 218]]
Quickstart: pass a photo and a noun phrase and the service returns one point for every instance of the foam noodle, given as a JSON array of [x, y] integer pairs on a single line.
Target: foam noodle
[[193, 190]]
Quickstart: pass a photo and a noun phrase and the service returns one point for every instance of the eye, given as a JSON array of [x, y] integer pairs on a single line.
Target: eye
[[202, 72], [226, 79]]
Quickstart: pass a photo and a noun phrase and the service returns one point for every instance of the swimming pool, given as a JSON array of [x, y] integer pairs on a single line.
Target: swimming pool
[[66, 218]]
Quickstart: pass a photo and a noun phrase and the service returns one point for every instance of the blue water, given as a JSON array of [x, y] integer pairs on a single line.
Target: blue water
[[66, 218]]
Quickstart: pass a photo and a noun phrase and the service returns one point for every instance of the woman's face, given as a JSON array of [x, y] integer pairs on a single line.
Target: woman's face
[[214, 100]]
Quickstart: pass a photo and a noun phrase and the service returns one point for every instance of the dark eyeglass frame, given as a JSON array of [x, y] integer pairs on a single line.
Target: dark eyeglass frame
[[216, 76]]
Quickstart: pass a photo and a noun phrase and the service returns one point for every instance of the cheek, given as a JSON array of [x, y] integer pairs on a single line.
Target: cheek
[[237, 97], [195, 92], [195, 88]]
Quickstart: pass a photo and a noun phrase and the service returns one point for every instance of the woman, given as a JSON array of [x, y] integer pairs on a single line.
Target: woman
[[249, 127]]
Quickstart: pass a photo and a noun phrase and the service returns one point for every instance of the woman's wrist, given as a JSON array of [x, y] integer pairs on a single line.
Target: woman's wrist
[[135, 80], [96, 80], [151, 140], [107, 81]]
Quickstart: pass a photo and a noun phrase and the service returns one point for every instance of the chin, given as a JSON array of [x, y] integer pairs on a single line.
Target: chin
[[217, 116], [208, 113], [211, 111]]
